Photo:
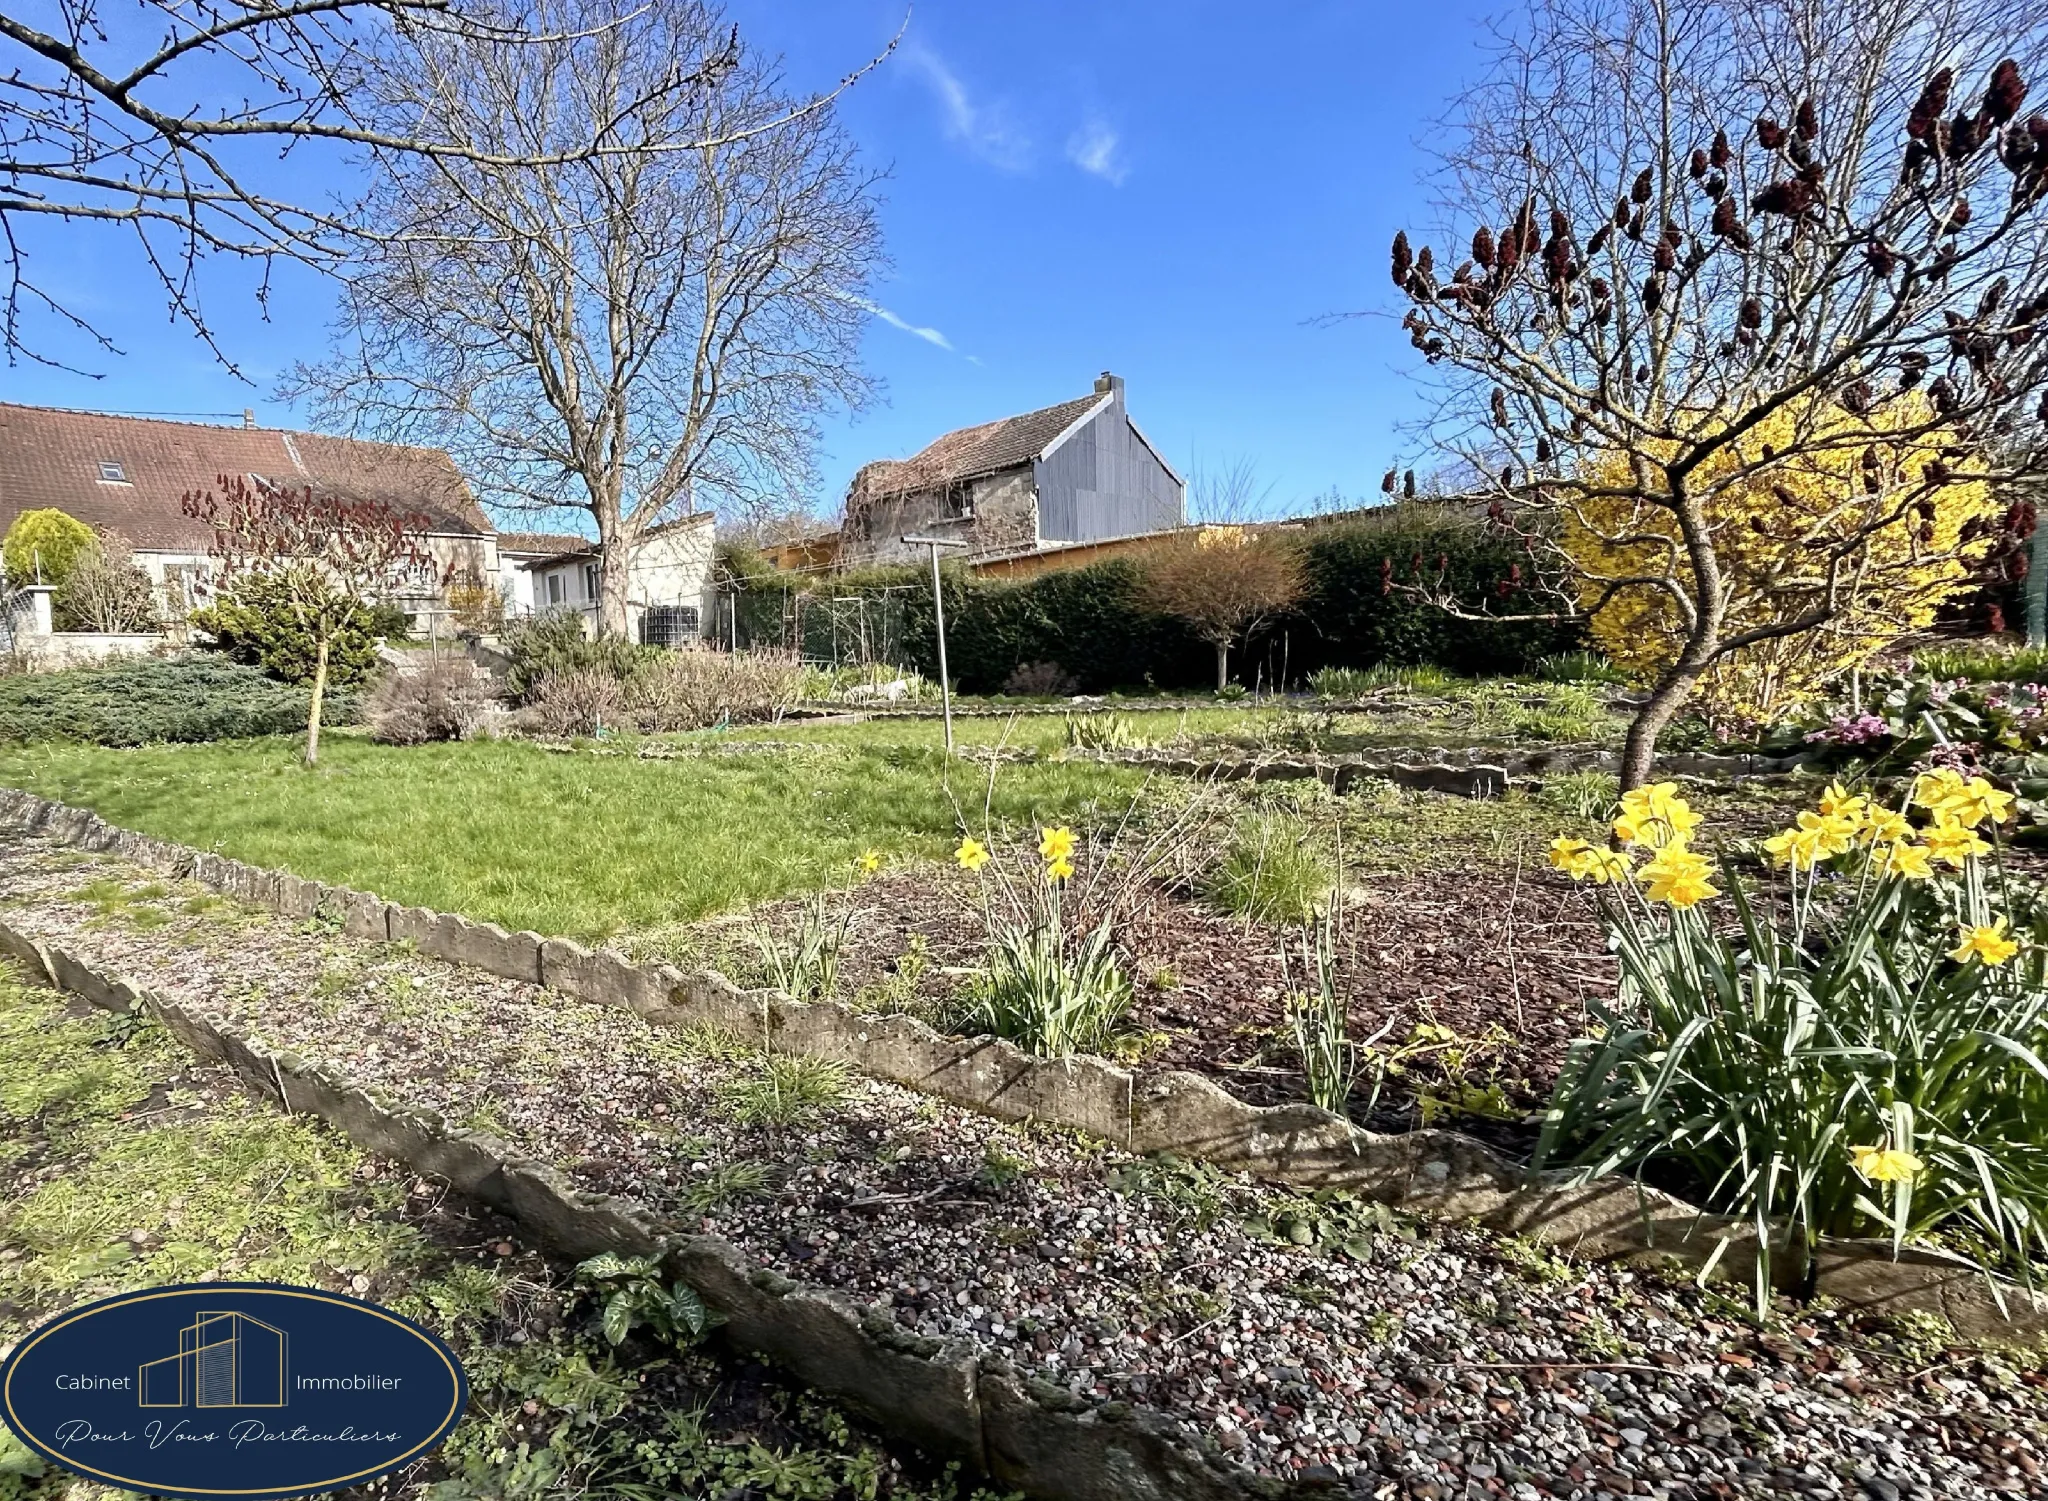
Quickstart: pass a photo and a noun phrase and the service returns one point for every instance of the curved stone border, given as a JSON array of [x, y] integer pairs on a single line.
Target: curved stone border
[[947, 1398], [1438, 1174]]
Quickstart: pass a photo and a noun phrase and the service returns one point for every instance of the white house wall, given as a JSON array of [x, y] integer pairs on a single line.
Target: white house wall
[[672, 567]]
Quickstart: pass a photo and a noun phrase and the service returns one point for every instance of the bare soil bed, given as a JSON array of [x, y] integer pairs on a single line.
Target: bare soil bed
[[1304, 1337], [1500, 961]]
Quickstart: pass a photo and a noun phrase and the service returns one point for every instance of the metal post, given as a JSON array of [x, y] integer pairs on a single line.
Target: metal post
[[945, 681], [939, 617]]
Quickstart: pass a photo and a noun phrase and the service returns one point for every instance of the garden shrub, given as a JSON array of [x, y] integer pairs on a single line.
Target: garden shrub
[[692, 688], [443, 701], [579, 701], [389, 620], [191, 697], [1858, 1054], [105, 592], [43, 544], [555, 644], [253, 622], [1039, 680]]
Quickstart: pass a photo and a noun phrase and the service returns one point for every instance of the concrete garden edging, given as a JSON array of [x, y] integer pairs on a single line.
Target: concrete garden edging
[[1437, 1174], [948, 1399]]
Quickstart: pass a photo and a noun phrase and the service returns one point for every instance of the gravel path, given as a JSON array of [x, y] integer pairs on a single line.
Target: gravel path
[[1297, 1334]]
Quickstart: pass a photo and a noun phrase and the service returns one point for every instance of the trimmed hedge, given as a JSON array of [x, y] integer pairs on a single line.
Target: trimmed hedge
[[198, 696], [1352, 618], [1091, 623]]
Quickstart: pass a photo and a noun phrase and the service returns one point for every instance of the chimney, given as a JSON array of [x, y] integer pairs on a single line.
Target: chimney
[[248, 417], [1112, 385]]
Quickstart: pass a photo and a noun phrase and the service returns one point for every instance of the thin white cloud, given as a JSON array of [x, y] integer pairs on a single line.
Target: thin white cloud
[[1093, 148], [984, 127], [896, 320]]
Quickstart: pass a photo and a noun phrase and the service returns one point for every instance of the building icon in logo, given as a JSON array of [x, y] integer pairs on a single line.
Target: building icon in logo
[[223, 1360]]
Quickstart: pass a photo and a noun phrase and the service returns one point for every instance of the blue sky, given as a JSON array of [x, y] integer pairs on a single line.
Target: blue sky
[[1177, 190]]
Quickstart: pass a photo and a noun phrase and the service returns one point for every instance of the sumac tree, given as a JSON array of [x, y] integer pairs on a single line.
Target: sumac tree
[[1708, 248]]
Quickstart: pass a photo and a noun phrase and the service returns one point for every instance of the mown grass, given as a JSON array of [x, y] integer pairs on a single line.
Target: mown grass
[[577, 844]]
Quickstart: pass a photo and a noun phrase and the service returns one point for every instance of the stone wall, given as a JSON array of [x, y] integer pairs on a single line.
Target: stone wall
[[1439, 1174]]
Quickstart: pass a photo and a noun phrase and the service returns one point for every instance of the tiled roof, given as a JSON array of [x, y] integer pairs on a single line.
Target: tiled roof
[[546, 544], [970, 451], [53, 458]]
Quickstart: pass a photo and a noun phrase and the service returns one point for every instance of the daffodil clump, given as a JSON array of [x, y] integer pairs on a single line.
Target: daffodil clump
[[1854, 1048], [1050, 984]]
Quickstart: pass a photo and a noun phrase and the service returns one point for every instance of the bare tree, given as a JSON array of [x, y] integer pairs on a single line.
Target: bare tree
[[98, 127], [636, 333], [1224, 582], [1713, 248]]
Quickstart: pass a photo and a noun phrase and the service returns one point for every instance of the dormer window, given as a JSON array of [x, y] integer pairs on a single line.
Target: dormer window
[[111, 472]]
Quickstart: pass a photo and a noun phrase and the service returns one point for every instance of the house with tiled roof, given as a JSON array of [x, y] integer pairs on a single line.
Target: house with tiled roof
[[130, 475], [1079, 471]]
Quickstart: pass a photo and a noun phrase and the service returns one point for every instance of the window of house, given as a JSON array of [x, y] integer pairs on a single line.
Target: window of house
[[112, 472], [555, 590], [590, 581]]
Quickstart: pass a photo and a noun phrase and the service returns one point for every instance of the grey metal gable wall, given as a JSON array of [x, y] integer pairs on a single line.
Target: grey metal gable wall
[[1104, 482]]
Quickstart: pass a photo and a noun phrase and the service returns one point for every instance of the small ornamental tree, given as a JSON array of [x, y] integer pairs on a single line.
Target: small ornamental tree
[[1752, 322], [325, 554], [1224, 582]]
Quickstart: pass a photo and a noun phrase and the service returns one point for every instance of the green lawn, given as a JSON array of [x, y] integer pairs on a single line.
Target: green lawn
[[574, 844]]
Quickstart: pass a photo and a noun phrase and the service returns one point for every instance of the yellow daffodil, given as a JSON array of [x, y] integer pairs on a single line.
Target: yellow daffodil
[[1798, 848], [1908, 860], [1652, 817], [1583, 862], [1882, 826], [1955, 845], [1056, 844], [1839, 802], [1978, 802], [1885, 1164], [1566, 853], [1679, 877], [1932, 788], [1060, 868], [1608, 865], [972, 854], [1833, 833], [868, 862], [1984, 945]]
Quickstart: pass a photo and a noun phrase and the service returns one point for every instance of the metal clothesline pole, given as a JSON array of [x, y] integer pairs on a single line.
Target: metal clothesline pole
[[939, 616]]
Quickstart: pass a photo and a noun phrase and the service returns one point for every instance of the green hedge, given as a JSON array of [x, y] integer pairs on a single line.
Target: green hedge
[[199, 696], [1090, 621], [1353, 618]]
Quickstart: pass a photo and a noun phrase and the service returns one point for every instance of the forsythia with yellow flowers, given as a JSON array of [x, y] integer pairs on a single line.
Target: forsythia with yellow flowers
[[1770, 528]]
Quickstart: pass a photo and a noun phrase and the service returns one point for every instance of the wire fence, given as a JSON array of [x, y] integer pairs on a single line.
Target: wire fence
[[870, 628]]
